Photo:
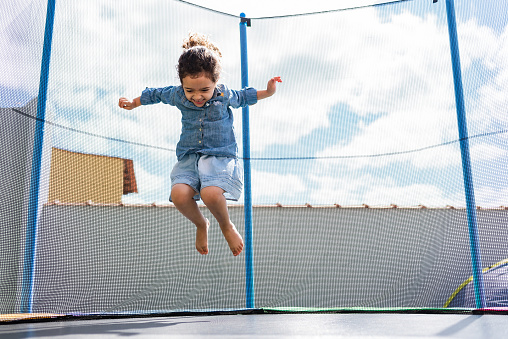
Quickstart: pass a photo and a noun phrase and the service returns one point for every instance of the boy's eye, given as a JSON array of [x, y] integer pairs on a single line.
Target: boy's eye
[[201, 90]]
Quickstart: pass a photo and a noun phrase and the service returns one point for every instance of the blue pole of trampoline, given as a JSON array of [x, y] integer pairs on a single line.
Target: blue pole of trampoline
[[466, 161], [33, 203], [249, 262]]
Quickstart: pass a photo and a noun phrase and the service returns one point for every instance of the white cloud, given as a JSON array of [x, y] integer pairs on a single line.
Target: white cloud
[[483, 152], [421, 111], [476, 42], [377, 191], [270, 187], [493, 98], [491, 197], [373, 66], [413, 195]]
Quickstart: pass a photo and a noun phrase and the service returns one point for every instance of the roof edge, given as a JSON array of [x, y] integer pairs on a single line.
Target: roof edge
[[277, 205]]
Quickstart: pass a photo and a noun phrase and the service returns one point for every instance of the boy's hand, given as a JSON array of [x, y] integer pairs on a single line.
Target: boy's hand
[[127, 104], [271, 86]]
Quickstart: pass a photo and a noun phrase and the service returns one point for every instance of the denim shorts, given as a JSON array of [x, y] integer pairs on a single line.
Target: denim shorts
[[200, 171]]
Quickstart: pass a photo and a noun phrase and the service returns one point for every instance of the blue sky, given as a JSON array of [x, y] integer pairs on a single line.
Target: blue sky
[[356, 84]]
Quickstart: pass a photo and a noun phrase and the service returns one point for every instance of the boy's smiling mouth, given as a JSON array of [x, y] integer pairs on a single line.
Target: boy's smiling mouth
[[199, 102]]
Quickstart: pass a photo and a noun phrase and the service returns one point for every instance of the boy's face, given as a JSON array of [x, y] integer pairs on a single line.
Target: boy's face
[[198, 90]]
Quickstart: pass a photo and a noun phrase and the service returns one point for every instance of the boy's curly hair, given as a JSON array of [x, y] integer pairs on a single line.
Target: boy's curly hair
[[200, 55]]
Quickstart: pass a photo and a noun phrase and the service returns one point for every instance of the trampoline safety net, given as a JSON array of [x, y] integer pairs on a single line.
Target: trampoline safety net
[[357, 174]]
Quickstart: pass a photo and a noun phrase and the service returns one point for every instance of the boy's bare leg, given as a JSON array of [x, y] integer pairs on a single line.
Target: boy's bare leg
[[214, 199], [182, 196]]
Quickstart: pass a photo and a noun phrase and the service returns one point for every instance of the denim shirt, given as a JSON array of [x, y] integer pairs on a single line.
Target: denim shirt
[[208, 129]]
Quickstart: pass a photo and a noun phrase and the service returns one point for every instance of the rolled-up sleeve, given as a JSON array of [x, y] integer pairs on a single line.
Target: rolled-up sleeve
[[165, 95], [242, 98]]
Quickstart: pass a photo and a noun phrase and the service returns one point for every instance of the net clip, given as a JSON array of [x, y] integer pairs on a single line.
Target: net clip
[[247, 20]]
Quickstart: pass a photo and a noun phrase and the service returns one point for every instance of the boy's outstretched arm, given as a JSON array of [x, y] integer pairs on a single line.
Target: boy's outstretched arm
[[128, 104], [270, 88]]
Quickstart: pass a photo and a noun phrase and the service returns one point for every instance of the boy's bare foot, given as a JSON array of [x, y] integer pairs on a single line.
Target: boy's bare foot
[[233, 238], [202, 238]]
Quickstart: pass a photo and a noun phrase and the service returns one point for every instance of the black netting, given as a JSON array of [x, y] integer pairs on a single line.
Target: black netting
[[357, 181]]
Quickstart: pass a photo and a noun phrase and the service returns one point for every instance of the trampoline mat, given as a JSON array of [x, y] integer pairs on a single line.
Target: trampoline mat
[[297, 325]]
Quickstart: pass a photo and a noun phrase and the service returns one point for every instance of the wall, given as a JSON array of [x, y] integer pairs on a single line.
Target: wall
[[16, 149], [78, 177], [117, 258]]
